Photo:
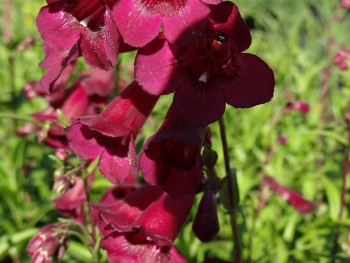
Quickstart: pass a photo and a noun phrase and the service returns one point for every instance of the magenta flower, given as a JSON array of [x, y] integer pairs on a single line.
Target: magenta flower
[[172, 158], [48, 243], [184, 21], [111, 134], [77, 27], [86, 96], [209, 74], [295, 199], [342, 57], [142, 226]]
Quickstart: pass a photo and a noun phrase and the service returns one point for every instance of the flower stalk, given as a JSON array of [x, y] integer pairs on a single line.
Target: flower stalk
[[231, 196]]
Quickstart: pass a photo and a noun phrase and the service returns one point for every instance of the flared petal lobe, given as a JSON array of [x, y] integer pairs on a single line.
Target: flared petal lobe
[[252, 82]]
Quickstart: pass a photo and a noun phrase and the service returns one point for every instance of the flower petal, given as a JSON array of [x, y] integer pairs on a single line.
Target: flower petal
[[83, 142], [55, 27], [137, 27], [156, 68], [226, 18], [198, 103], [188, 25], [115, 163], [252, 84]]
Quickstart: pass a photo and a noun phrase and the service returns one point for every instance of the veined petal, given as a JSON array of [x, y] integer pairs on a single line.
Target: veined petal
[[137, 27], [54, 28]]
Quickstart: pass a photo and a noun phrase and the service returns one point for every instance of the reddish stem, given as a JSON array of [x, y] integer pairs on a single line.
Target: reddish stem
[[343, 192]]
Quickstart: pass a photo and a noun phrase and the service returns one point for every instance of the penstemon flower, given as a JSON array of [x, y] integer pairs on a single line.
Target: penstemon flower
[[192, 48], [141, 226], [111, 134], [77, 27], [171, 158], [207, 75], [184, 21]]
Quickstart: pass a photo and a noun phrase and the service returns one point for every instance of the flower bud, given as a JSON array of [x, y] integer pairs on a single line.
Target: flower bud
[[206, 223]]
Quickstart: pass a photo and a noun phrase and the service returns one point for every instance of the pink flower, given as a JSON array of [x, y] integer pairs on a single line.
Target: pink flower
[[71, 28], [345, 4], [86, 96], [139, 22], [209, 74], [299, 203], [172, 157], [49, 242], [341, 57], [142, 226], [282, 139], [298, 105], [111, 134]]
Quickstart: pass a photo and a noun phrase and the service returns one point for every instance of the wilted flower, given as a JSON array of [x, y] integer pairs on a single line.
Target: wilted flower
[[209, 74]]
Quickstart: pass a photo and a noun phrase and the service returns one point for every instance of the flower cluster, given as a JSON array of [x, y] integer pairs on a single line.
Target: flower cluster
[[191, 48]]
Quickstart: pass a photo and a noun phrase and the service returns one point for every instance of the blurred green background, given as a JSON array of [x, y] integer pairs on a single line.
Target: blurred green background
[[298, 40]]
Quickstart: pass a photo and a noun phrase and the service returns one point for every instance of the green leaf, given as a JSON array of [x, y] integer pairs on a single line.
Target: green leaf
[[224, 193]]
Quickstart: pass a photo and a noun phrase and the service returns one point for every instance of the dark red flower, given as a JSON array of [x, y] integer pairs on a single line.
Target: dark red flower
[[184, 21], [111, 134], [206, 223], [142, 226], [172, 157], [77, 27], [209, 74]]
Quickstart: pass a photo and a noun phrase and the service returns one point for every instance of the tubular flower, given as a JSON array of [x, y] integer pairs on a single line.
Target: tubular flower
[[184, 21], [296, 200], [171, 158], [209, 74], [142, 226], [111, 134], [73, 28], [86, 96]]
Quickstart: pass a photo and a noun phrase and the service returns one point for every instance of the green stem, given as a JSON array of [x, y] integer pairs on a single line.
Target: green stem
[[233, 220]]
